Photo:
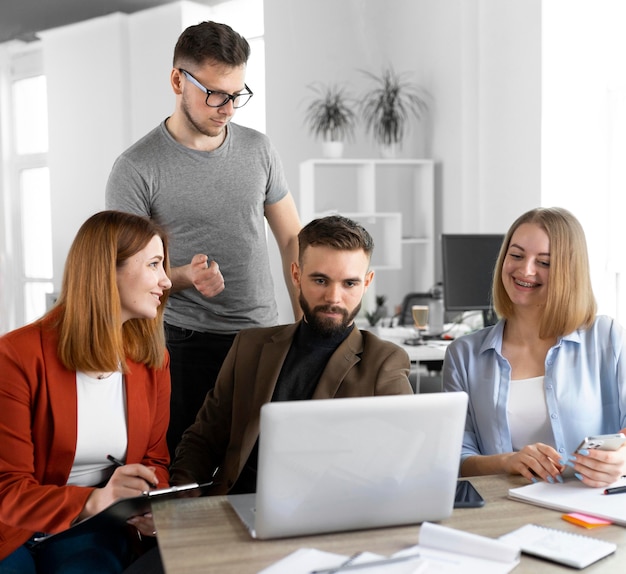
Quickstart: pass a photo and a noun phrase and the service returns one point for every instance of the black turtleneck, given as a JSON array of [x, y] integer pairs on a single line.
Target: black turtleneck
[[307, 357]]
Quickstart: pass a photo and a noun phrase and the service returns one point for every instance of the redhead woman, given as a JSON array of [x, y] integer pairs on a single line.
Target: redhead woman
[[88, 380], [551, 371]]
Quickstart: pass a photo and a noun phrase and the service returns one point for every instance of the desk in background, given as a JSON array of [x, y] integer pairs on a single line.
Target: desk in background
[[426, 359], [204, 535], [431, 350]]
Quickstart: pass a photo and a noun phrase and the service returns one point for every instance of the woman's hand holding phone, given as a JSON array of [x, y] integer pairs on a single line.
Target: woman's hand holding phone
[[599, 460], [602, 442]]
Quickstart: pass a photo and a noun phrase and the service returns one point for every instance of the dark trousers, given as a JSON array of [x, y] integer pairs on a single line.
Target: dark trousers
[[195, 361], [104, 552]]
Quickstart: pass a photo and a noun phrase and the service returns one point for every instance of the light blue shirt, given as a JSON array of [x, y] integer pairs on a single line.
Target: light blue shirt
[[584, 384]]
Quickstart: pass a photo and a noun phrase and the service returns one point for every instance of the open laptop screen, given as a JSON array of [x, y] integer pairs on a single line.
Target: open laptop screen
[[344, 464]]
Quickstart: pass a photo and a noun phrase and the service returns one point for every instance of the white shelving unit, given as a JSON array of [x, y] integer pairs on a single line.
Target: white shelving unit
[[394, 200]]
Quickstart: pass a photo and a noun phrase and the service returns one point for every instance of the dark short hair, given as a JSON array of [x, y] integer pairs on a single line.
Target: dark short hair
[[211, 42], [336, 232]]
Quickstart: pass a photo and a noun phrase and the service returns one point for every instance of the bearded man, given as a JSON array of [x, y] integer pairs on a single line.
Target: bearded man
[[322, 356]]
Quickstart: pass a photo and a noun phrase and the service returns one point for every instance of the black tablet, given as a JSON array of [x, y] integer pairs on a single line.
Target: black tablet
[[119, 512]]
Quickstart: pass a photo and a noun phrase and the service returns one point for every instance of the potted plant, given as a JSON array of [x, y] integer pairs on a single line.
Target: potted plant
[[379, 313], [330, 116], [387, 107]]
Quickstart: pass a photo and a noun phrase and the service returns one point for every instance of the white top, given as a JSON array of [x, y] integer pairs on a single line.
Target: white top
[[102, 428], [528, 413]]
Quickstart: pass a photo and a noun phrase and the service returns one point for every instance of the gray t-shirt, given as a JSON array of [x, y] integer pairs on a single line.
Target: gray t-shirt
[[212, 203]]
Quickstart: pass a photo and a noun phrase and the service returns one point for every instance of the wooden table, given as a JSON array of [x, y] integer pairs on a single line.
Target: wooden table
[[204, 535]]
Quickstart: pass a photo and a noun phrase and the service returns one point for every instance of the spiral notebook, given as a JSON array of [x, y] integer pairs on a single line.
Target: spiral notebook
[[559, 546]]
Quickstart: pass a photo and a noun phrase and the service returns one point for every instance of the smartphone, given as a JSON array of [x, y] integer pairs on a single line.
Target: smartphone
[[467, 496], [602, 442]]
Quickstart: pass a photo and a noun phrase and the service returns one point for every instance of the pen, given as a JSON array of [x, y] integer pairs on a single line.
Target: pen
[[349, 561], [118, 462], [615, 490], [383, 562], [115, 461]]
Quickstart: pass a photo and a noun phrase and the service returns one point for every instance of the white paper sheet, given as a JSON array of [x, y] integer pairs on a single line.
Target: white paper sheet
[[451, 554]]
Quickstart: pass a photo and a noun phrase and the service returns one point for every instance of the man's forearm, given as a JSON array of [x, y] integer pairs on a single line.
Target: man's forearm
[[180, 278]]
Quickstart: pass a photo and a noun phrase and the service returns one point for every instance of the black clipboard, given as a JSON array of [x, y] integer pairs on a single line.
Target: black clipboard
[[116, 515]]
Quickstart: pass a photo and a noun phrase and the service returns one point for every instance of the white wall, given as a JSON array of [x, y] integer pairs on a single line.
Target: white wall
[[151, 38], [510, 111], [479, 59], [86, 101], [108, 84]]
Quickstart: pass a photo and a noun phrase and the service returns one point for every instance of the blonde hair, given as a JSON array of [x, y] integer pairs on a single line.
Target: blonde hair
[[91, 334], [570, 303]]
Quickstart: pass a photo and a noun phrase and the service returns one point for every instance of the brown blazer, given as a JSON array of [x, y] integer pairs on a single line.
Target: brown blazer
[[227, 426], [38, 433]]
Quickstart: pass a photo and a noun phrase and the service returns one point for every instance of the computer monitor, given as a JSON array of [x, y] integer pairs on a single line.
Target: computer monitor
[[468, 261]]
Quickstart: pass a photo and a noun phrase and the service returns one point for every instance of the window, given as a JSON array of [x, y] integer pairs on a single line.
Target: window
[[27, 241], [31, 115], [36, 240], [26, 255], [584, 132]]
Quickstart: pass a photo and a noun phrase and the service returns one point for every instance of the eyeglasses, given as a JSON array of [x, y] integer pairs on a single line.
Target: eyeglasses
[[218, 99]]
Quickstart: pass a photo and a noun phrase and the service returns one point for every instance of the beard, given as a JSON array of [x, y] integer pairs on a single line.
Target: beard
[[198, 127], [324, 325]]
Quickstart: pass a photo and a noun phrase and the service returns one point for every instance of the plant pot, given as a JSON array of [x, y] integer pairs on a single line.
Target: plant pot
[[388, 151], [332, 150]]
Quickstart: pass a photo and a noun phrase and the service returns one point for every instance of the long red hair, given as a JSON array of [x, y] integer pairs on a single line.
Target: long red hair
[[91, 334]]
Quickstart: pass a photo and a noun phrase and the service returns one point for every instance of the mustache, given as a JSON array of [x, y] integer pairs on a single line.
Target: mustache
[[330, 309]]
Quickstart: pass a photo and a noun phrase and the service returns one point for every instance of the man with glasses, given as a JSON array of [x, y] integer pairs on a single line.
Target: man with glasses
[[211, 183]]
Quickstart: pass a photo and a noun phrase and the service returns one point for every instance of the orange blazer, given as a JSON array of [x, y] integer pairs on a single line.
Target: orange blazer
[[38, 433]]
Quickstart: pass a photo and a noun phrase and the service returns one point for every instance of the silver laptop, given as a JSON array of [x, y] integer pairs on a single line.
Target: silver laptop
[[349, 464]]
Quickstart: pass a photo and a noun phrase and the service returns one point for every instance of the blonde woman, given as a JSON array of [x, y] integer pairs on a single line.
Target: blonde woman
[[88, 380], [550, 372]]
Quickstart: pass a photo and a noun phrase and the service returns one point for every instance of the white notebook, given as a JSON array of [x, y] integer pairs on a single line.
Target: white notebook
[[574, 496], [559, 546]]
